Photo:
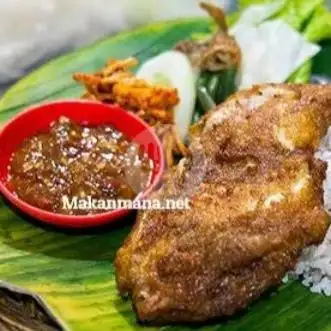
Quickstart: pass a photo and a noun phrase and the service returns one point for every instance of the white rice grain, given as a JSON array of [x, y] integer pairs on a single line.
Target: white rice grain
[[314, 265]]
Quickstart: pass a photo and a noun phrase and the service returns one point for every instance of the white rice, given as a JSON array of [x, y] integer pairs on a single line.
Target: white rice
[[314, 266]]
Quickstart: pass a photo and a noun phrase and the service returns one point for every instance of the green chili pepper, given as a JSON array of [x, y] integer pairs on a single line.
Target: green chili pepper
[[212, 89], [227, 84], [205, 99], [213, 85]]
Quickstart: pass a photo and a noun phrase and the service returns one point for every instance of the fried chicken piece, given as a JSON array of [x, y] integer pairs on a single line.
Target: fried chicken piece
[[256, 201]]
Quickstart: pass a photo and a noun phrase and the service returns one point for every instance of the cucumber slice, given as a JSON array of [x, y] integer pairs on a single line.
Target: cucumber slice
[[173, 69]]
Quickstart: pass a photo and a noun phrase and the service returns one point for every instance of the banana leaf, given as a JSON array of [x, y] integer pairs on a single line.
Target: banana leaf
[[72, 272]]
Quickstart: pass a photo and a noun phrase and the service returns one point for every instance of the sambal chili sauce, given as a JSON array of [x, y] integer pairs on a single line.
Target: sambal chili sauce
[[72, 161]]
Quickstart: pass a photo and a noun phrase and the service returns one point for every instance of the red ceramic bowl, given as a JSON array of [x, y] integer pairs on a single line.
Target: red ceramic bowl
[[38, 118]]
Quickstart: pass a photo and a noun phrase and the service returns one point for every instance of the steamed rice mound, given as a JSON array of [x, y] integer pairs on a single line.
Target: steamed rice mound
[[314, 265]]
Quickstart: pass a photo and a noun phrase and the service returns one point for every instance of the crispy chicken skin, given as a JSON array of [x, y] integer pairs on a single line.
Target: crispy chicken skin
[[256, 201]]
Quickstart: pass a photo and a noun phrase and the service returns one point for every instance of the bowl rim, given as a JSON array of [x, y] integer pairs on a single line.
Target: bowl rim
[[80, 220]]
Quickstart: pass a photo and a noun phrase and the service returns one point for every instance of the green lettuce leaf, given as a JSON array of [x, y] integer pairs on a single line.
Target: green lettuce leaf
[[294, 12], [297, 12], [319, 27]]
